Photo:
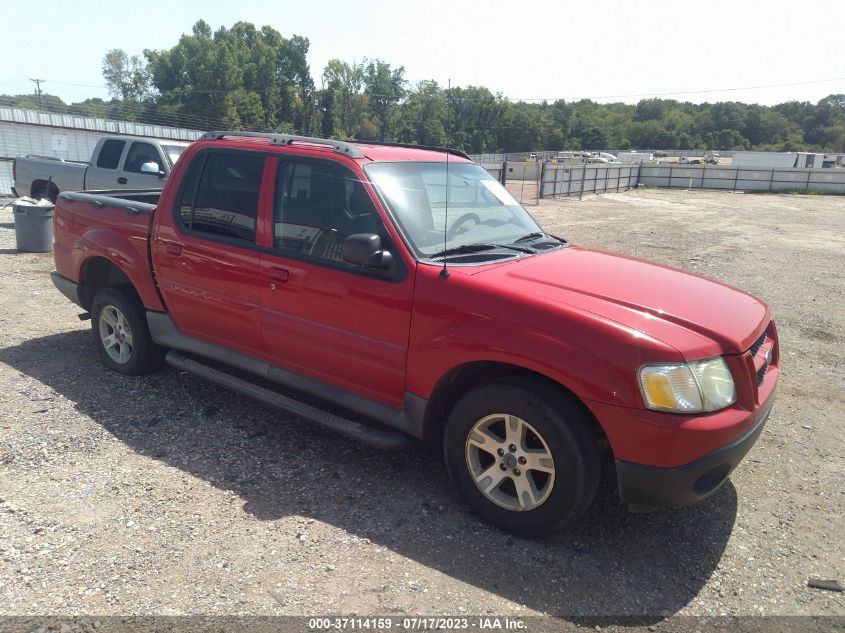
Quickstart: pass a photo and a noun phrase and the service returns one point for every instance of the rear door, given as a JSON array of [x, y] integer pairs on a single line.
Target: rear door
[[322, 317], [206, 259], [102, 174]]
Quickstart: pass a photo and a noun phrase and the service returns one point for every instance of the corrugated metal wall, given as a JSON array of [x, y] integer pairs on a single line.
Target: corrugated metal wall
[[560, 180], [817, 180]]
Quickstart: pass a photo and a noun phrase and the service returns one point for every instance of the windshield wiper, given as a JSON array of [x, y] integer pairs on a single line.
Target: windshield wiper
[[478, 247], [536, 235], [529, 237]]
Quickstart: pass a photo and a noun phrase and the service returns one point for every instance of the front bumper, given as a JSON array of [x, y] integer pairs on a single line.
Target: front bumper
[[645, 487]]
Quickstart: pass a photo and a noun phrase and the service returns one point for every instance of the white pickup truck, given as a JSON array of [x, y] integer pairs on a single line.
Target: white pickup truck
[[118, 162]]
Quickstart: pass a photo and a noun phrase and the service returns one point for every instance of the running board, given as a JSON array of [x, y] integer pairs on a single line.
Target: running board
[[361, 432]]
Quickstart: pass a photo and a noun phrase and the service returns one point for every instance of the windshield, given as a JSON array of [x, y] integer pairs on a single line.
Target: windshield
[[172, 152], [481, 211]]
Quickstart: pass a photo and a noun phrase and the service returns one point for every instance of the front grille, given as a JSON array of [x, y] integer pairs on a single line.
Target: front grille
[[755, 347]]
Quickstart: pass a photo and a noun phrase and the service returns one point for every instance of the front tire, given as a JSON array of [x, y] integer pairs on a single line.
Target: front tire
[[522, 454], [121, 334]]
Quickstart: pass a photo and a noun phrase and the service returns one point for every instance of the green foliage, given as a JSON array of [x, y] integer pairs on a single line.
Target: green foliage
[[424, 116], [126, 77], [385, 87], [245, 76]]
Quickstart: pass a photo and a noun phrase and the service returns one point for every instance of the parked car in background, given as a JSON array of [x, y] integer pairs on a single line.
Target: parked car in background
[[118, 162]]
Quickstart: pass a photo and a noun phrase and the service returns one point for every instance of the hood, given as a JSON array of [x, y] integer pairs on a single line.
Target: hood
[[697, 316]]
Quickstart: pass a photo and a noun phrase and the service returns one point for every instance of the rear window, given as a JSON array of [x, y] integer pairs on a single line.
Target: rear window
[[173, 152], [110, 154], [223, 200]]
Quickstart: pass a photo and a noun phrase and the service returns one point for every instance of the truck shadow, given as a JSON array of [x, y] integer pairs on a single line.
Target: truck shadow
[[611, 564]]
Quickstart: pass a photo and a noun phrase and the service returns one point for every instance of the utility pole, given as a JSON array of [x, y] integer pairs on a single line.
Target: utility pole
[[38, 83]]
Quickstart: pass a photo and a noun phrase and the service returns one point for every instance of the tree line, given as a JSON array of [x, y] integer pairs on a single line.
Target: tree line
[[248, 78]]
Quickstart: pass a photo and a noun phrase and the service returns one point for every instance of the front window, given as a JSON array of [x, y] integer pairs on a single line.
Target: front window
[[140, 154], [480, 210], [318, 205]]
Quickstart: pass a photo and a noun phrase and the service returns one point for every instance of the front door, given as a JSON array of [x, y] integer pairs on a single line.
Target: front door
[[132, 176], [322, 317]]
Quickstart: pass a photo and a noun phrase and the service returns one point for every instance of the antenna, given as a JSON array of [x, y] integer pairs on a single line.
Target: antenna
[[445, 272]]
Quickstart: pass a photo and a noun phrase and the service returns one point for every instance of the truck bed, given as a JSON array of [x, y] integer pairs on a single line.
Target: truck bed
[[115, 223], [64, 174], [144, 200]]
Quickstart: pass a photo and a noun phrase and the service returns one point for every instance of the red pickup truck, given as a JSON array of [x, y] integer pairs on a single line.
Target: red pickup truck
[[405, 286]]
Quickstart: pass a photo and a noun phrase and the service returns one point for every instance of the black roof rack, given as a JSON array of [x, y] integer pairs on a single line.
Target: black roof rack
[[344, 147], [287, 139], [433, 148]]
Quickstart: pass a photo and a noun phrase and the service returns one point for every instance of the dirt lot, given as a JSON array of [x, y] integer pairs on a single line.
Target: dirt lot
[[164, 495]]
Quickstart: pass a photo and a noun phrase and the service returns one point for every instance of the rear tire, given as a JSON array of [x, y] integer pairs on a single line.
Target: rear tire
[[522, 454], [121, 334]]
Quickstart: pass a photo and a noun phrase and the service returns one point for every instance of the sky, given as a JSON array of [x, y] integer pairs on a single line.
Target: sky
[[714, 50]]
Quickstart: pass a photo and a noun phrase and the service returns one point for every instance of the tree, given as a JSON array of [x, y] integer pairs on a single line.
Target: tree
[[209, 75], [348, 78], [423, 117], [126, 77], [475, 119], [385, 87], [345, 83]]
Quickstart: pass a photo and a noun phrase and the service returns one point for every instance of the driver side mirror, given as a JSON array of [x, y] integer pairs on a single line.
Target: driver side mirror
[[152, 168], [364, 249]]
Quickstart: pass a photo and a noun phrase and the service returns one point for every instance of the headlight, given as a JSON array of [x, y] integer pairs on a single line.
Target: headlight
[[704, 385]]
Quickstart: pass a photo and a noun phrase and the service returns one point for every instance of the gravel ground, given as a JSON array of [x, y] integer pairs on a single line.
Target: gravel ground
[[164, 495]]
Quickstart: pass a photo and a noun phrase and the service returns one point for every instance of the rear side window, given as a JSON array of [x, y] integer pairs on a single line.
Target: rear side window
[[223, 199], [110, 154]]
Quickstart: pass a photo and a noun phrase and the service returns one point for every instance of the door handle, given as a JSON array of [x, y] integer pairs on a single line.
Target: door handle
[[278, 275], [121, 180], [173, 248]]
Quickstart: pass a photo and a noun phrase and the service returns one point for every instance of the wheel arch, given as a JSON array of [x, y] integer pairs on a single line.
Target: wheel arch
[[460, 380], [98, 272], [48, 186]]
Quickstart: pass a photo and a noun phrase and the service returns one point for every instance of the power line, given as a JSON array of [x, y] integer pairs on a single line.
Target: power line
[[690, 92]]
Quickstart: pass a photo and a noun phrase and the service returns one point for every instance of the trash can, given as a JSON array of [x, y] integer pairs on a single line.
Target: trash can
[[33, 227]]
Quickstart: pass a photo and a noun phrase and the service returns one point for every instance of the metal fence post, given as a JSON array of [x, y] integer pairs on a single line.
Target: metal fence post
[[504, 176], [809, 175], [540, 174], [671, 169], [736, 177], [583, 177], [771, 179]]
